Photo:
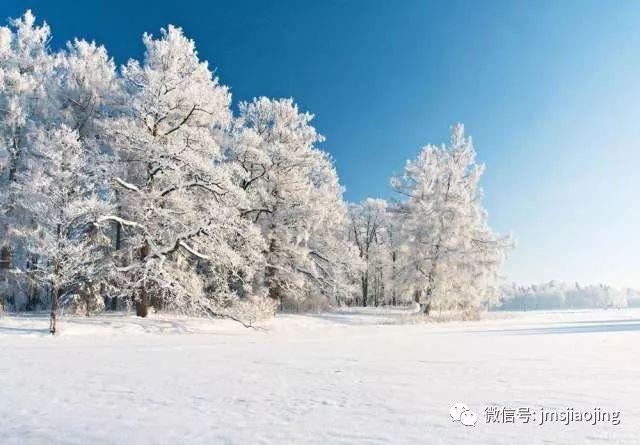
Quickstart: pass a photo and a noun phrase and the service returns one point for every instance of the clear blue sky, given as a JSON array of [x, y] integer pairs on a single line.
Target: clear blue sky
[[549, 90]]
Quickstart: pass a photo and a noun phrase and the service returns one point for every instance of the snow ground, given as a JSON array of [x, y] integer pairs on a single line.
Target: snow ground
[[337, 378]]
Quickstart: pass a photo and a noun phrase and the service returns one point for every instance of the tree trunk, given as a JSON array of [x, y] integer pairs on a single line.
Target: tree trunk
[[32, 287], [142, 303], [5, 254], [5, 257], [55, 293], [274, 289], [394, 278], [5, 265], [427, 308], [114, 300], [365, 288], [270, 279], [55, 287]]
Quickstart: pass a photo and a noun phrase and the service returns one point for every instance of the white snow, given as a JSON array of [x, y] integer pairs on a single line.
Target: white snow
[[342, 377]]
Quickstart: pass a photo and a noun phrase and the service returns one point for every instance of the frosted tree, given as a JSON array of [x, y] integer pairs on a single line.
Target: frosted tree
[[295, 199], [376, 230], [368, 233], [65, 191], [85, 90], [451, 257], [335, 263], [185, 245], [392, 250], [25, 66]]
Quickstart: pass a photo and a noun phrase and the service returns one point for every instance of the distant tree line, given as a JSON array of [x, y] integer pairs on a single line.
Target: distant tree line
[[559, 295]]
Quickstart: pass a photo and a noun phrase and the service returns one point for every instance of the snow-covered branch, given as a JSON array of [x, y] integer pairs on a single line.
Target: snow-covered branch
[[127, 185]]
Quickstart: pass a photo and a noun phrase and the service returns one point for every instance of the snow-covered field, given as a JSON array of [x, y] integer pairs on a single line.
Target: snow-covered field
[[344, 377]]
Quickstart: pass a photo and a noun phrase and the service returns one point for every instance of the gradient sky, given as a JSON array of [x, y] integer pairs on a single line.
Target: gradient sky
[[549, 90]]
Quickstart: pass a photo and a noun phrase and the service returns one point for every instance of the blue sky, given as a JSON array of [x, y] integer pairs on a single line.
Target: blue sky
[[549, 91]]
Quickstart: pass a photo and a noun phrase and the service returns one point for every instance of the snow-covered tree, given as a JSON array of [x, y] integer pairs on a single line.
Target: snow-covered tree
[[451, 257], [62, 189], [85, 91], [368, 232], [186, 246], [25, 66], [335, 263], [65, 191], [295, 198], [392, 247], [376, 229]]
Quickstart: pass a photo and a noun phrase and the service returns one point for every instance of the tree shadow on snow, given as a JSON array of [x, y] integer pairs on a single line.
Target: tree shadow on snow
[[7, 329], [583, 327]]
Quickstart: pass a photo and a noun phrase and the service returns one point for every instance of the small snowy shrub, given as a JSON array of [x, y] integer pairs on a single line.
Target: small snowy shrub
[[310, 303], [253, 309], [84, 304], [469, 314]]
